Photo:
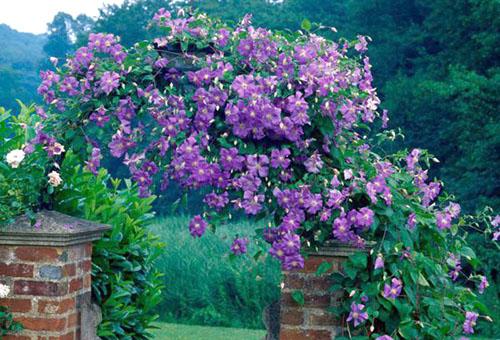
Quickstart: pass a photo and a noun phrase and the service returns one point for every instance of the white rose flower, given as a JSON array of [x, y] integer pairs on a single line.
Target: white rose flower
[[4, 290], [15, 157], [54, 179]]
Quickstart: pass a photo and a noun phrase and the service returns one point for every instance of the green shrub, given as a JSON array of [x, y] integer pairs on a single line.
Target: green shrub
[[124, 281], [7, 323], [206, 285]]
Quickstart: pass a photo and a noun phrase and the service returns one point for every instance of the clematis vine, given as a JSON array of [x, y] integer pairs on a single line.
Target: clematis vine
[[272, 126]]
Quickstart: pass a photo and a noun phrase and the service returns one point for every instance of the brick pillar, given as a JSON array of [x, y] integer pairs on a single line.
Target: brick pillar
[[47, 268], [311, 321]]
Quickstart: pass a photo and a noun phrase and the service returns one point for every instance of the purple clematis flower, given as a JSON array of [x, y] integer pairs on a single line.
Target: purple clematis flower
[[470, 322], [341, 230], [109, 81], [313, 203], [314, 163], [483, 284], [357, 315], [277, 250], [258, 165], [252, 203], [293, 262], [443, 220], [120, 144], [197, 226], [94, 162], [365, 217], [412, 220], [379, 262], [239, 246], [280, 158], [394, 290], [412, 159], [291, 244], [99, 117], [230, 160]]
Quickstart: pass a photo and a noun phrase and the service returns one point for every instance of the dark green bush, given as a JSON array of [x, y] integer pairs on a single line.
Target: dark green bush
[[125, 282]]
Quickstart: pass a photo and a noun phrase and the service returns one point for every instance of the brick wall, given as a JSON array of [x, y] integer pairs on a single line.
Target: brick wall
[[48, 272], [48, 285], [312, 321]]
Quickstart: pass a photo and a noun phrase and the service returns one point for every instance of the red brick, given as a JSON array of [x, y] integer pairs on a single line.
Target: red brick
[[75, 285], [288, 301], [69, 270], [291, 317], [85, 266], [22, 287], [17, 305], [76, 253], [88, 249], [73, 320], [297, 334], [67, 336], [312, 263], [326, 319], [293, 281], [56, 306], [16, 269], [317, 301], [319, 283], [43, 324], [310, 300], [16, 337], [37, 254], [87, 281], [5, 253]]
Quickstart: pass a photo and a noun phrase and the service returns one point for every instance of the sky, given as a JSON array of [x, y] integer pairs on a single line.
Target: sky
[[32, 16]]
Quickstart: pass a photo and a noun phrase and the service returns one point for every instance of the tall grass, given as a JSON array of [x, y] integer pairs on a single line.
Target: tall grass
[[206, 286]]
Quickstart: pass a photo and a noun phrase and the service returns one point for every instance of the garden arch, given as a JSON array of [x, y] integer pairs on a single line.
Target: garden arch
[[278, 125]]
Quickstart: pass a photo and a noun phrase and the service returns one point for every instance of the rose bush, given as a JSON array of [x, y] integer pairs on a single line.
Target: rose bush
[[277, 125], [28, 172]]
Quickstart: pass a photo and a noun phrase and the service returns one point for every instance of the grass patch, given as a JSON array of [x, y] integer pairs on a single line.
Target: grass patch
[[204, 285], [169, 331]]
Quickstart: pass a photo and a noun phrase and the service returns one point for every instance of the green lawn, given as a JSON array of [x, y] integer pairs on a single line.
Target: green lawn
[[170, 331]]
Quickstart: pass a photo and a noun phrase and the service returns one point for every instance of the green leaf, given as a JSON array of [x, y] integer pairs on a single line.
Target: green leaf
[[335, 287], [306, 25], [359, 260], [298, 296], [467, 252], [257, 255], [323, 268], [4, 116], [481, 307], [175, 205], [350, 270], [422, 280]]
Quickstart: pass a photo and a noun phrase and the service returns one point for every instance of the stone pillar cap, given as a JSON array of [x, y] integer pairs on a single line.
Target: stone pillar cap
[[341, 249], [53, 229]]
